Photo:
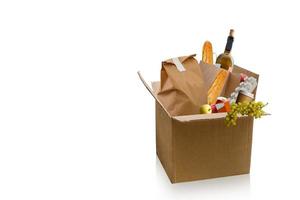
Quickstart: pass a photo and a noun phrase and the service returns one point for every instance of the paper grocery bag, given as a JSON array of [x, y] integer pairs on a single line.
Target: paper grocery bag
[[182, 89]]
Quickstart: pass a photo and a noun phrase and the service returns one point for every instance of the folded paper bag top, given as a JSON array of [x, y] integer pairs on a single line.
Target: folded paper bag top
[[182, 89]]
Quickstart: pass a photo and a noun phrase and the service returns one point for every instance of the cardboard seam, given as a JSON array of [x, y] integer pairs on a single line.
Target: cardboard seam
[[250, 139], [173, 151]]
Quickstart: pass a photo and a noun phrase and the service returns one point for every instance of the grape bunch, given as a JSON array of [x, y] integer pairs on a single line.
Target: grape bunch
[[253, 109]]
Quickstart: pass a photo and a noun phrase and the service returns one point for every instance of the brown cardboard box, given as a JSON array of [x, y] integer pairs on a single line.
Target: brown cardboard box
[[194, 147]]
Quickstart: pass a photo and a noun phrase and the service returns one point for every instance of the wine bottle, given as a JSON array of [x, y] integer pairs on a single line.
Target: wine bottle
[[225, 59]]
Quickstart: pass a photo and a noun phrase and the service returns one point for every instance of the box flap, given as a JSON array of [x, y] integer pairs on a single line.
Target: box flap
[[155, 87], [187, 118], [238, 70], [154, 94], [234, 79]]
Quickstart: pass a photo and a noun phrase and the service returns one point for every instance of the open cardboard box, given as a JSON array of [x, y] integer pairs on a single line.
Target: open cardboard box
[[194, 147]]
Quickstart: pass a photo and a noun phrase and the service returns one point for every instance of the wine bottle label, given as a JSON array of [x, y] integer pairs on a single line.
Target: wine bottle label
[[229, 43]]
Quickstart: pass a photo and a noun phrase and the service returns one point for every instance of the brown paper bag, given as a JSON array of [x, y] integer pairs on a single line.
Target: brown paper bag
[[182, 89]]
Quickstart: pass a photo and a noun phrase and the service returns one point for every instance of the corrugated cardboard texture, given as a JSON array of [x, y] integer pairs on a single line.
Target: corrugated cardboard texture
[[202, 148], [164, 139], [208, 149], [195, 147]]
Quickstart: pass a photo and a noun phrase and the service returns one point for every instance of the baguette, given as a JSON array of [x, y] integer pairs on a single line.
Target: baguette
[[216, 88], [207, 52]]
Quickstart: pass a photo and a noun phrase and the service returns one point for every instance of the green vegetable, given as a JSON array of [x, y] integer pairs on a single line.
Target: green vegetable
[[254, 109]]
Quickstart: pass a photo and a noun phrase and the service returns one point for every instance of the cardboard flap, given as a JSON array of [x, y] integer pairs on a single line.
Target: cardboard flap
[[238, 70], [151, 91], [146, 85], [188, 118], [155, 87], [234, 79], [181, 59]]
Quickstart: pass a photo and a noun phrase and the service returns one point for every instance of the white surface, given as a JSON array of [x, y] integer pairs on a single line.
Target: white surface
[[76, 122]]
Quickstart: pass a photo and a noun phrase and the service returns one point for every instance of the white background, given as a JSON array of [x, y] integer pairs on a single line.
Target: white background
[[76, 122]]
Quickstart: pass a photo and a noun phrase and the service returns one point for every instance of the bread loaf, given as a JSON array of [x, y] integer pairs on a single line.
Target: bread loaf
[[207, 52], [216, 88]]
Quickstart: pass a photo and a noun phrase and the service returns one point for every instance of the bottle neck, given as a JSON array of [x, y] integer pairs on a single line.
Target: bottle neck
[[226, 52], [229, 43]]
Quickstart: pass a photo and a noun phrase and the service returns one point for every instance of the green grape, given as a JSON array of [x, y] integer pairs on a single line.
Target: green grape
[[253, 109]]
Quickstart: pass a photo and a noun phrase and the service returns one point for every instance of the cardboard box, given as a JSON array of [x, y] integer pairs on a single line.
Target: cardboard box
[[194, 147]]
